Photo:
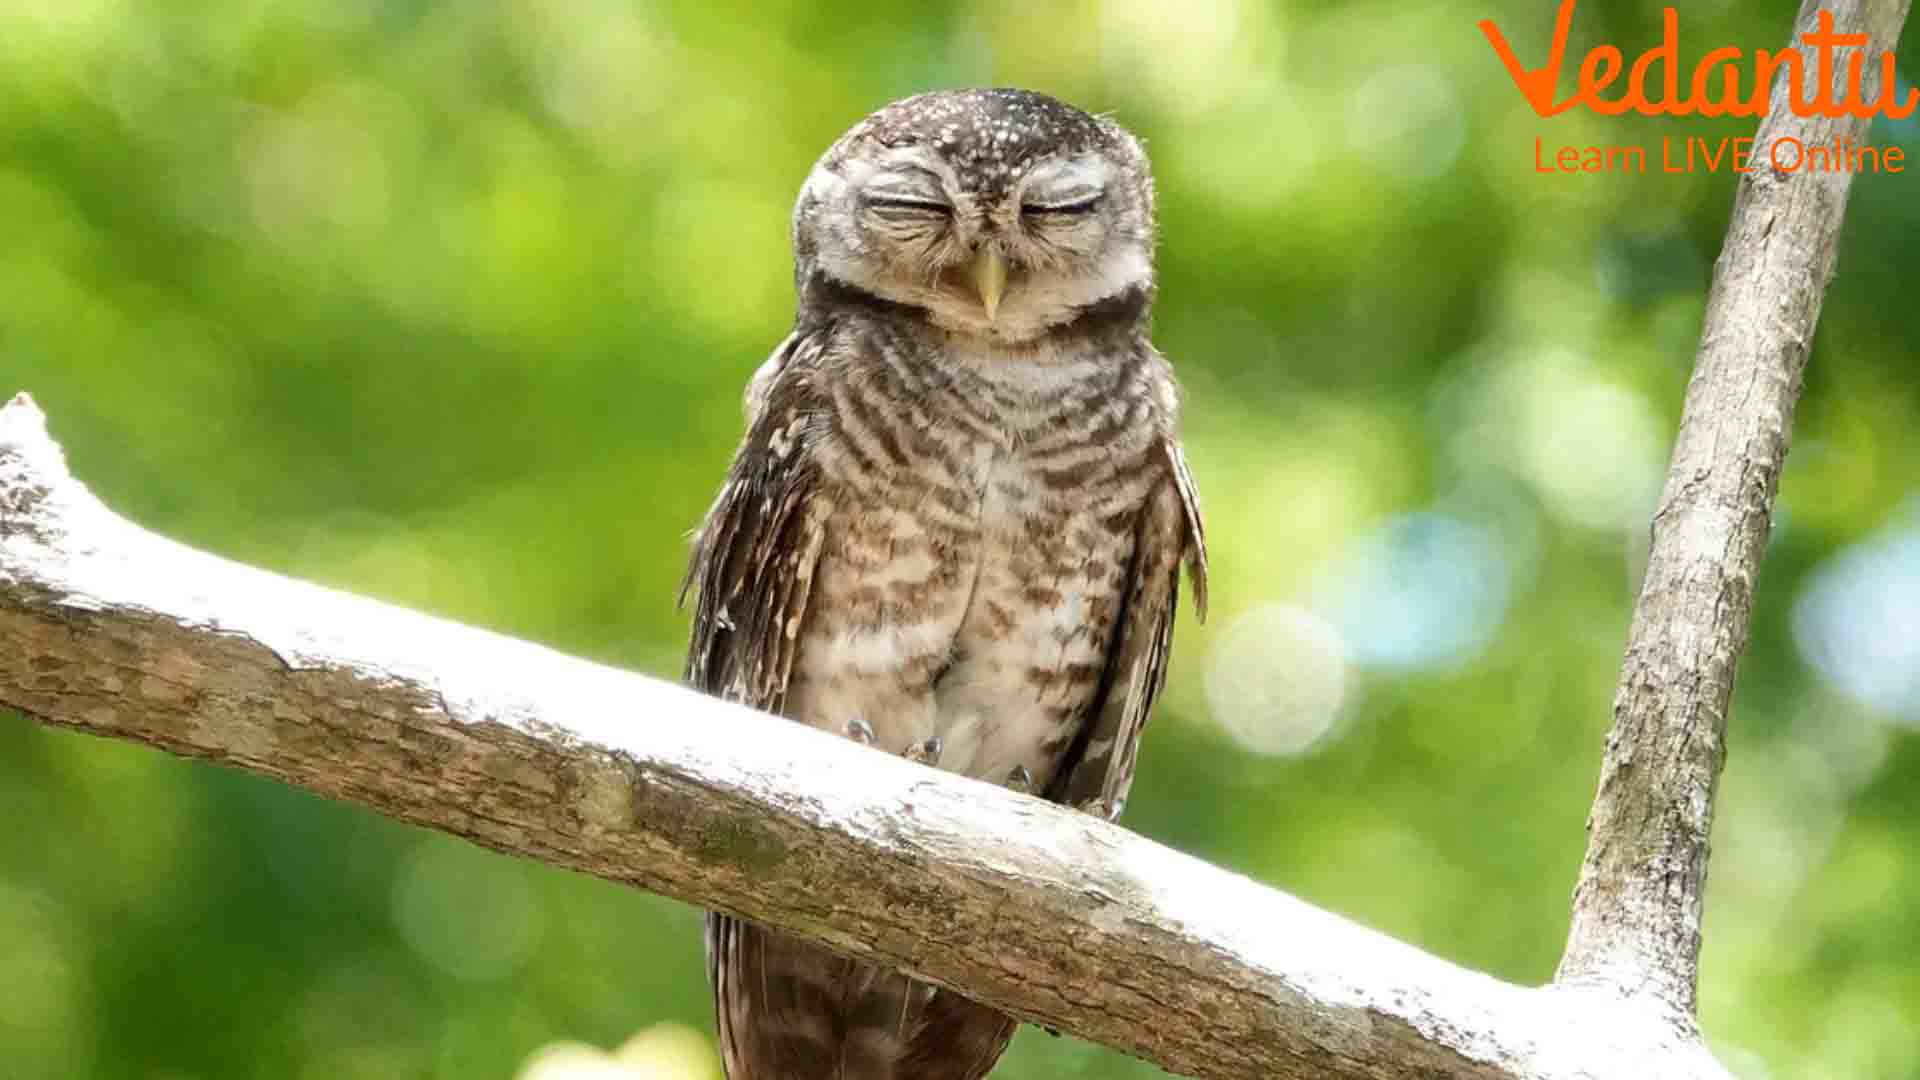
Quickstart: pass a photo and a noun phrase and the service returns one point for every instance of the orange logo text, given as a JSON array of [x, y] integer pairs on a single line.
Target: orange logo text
[[1706, 95]]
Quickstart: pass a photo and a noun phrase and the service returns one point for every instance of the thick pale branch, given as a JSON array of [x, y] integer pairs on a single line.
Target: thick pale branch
[[1636, 921], [1050, 914]]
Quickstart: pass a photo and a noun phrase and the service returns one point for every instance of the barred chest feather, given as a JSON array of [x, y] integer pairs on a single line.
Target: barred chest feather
[[983, 518]]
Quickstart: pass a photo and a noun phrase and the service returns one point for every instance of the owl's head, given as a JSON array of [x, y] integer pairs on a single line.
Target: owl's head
[[1000, 213]]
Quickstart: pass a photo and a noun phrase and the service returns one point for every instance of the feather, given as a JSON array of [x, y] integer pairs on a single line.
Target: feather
[[946, 528], [1099, 768]]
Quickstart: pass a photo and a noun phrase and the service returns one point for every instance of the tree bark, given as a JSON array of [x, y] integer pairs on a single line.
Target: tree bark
[[1052, 915], [1637, 908]]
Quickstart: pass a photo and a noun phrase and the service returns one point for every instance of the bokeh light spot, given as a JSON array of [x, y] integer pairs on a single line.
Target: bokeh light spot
[[43, 991], [1192, 58], [666, 1051], [1593, 449], [1858, 622], [468, 913], [1425, 590], [1277, 680], [1407, 121]]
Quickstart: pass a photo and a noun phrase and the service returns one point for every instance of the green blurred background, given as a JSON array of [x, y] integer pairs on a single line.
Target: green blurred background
[[452, 304]]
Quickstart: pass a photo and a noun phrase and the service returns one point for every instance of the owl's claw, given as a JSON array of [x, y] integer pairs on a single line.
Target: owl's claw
[[860, 731], [1020, 780], [926, 753]]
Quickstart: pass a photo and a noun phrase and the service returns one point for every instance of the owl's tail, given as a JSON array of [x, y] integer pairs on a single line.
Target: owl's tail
[[788, 1010]]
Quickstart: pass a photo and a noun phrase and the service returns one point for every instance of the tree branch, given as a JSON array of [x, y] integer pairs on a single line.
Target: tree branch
[[1637, 909], [1050, 914]]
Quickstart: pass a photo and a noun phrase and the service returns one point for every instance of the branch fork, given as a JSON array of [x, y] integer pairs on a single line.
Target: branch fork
[[1051, 915]]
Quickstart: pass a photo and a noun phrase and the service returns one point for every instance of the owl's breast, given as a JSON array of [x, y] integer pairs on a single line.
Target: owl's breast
[[974, 569], [1031, 648]]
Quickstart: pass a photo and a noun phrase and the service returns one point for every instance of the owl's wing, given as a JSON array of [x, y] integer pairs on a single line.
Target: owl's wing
[[787, 1009], [1099, 770], [754, 557], [751, 575]]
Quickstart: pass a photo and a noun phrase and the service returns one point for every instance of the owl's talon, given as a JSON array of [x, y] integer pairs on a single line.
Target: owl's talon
[[926, 753], [860, 731], [1020, 780]]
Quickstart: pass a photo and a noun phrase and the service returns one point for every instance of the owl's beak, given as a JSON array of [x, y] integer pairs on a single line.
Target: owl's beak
[[989, 274]]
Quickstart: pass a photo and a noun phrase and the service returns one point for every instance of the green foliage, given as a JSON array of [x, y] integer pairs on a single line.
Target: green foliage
[[452, 305]]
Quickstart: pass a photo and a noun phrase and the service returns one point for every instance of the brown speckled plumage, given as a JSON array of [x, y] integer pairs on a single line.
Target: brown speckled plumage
[[989, 137], [952, 532]]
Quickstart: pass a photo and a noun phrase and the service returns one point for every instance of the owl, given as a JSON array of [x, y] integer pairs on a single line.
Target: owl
[[955, 527]]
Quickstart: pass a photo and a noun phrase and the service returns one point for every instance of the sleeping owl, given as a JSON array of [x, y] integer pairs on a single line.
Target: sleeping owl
[[955, 526]]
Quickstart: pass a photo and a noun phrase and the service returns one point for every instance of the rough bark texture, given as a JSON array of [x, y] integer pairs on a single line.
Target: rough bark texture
[[1637, 909], [1047, 913]]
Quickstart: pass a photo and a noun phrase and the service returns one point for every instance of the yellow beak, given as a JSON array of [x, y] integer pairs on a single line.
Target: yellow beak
[[990, 278]]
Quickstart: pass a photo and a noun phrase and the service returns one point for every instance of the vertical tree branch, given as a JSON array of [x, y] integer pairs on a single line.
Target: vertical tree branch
[[1637, 909]]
